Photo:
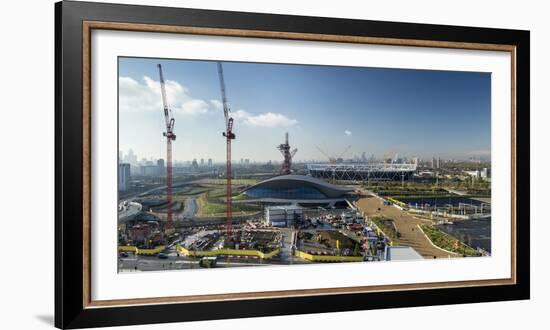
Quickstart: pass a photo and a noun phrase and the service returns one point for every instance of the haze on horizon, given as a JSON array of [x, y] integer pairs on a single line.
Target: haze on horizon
[[411, 112]]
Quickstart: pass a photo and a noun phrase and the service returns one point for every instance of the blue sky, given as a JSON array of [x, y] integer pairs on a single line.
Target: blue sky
[[411, 112]]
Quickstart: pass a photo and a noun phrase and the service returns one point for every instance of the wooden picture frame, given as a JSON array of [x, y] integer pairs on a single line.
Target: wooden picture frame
[[74, 307]]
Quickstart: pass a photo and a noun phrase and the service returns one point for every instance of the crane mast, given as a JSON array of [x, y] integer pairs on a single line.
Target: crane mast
[[229, 135], [170, 136]]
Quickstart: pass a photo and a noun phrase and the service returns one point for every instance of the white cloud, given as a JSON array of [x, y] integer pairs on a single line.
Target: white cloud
[[268, 119], [347, 132], [144, 95], [240, 114], [193, 107], [217, 104]]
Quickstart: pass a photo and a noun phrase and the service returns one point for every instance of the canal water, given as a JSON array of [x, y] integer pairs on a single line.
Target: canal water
[[476, 233]]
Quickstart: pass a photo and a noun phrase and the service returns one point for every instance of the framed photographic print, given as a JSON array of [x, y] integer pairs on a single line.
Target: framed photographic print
[[215, 164]]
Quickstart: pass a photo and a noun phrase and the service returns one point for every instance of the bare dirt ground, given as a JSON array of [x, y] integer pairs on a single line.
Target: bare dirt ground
[[406, 224]]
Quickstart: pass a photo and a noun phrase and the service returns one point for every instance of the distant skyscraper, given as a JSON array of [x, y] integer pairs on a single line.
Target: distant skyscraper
[[194, 164], [202, 162], [209, 162], [131, 158], [123, 176], [438, 163], [160, 166]]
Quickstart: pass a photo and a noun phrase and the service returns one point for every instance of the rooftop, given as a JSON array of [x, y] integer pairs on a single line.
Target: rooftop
[[292, 181], [402, 253]]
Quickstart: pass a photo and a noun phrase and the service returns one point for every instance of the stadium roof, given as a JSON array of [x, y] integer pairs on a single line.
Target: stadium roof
[[328, 189]]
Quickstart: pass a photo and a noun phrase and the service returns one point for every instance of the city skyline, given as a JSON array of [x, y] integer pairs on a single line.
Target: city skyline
[[373, 110], [150, 160]]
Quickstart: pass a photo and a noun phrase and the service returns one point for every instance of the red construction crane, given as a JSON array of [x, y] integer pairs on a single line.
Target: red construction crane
[[170, 136], [229, 135]]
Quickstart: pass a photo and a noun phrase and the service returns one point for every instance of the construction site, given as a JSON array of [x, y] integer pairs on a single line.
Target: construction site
[[289, 213]]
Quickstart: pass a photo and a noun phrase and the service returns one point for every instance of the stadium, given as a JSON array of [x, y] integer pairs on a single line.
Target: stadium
[[362, 172]]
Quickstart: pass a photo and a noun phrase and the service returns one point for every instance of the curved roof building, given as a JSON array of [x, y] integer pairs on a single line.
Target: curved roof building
[[296, 187]]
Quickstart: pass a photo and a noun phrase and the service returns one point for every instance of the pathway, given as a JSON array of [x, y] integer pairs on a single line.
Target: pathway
[[406, 224]]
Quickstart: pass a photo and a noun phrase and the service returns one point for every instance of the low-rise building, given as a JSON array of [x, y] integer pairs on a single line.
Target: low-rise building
[[400, 253], [283, 216]]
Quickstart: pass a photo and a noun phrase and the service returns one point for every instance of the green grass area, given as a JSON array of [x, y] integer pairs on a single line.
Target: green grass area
[[420, 196], [213, 190], [210, 208], [192, 190], [448, 242], [478, 188], [413, 193], [217, 192], [240, 197], [386, 226]]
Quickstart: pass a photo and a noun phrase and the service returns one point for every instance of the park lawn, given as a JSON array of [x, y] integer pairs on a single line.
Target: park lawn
[[385, 225], [448, 242], [209, 208]]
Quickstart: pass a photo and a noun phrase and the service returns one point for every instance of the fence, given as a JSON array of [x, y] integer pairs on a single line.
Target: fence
[[324, 258], [251, 253], [136, 250]]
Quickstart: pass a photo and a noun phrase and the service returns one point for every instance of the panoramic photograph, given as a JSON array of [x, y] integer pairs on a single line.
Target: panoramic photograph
[[237, 164]]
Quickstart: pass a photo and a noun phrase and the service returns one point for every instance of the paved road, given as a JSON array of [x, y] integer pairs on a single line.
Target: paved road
[[131, 209], [406, 224], [190, 209], [286, 254]]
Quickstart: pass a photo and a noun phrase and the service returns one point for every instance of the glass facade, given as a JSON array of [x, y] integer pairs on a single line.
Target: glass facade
[[287, 192]]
